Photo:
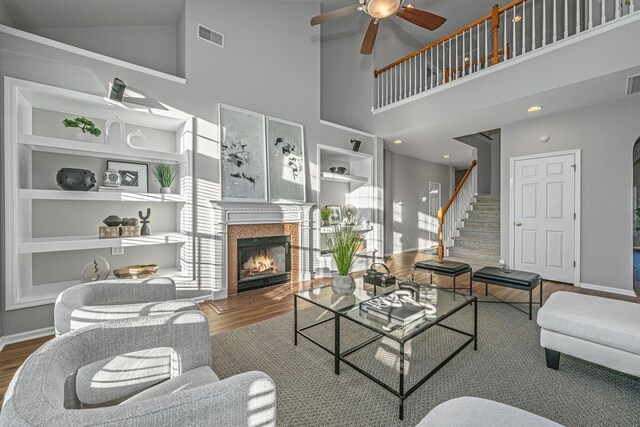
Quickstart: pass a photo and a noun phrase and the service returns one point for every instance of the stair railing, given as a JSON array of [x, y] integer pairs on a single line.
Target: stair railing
[[450, 217]]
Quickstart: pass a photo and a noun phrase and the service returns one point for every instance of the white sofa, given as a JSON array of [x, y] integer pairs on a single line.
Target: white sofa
[[599, 330]]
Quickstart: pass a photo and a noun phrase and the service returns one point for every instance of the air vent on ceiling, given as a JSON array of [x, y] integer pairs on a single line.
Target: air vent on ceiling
[[633, 85], [211, 36]]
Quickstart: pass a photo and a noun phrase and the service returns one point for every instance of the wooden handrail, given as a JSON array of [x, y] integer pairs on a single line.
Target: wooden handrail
[[495, 24], [443, 211]]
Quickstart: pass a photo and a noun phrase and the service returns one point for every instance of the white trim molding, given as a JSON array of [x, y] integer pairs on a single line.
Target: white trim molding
[[347, 129], [25, 336], [626, 292]]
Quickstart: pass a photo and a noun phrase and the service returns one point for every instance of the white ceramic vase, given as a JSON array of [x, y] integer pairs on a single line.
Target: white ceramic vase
[[83, 136], [343, 285], [165, 190]]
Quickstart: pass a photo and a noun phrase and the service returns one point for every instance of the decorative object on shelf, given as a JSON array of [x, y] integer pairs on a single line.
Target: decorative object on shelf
[[112, 221], [121, 134], [285, 154], [86, 126], [145, 222], [137, 136], [355, 145], [130, 222], [338, 169], [116, 93], [111, 178], [349, 213], [325, 215], [378, 278], [105, 232], [133, 176], [244, 166], [336, 214], [96, 270], [71, 179], [138, 271], [165, 174], [129, 231], [342, 243]]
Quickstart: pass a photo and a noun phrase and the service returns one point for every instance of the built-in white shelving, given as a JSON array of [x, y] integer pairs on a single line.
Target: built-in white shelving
[[99, 196], [338, 177], [78, 148], [74, 243]]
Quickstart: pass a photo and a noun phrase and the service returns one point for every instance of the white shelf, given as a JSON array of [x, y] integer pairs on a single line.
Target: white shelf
[[338, 177], [78, 148], [72, 243], [96, 196]]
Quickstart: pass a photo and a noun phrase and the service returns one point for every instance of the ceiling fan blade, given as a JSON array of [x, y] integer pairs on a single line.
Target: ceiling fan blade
[[334, 14], [370, 37], [421, 18]]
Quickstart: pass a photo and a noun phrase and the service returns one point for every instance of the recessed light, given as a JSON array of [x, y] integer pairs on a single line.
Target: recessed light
[[446, 156], [534, 108], [517, 18], [397, 141]]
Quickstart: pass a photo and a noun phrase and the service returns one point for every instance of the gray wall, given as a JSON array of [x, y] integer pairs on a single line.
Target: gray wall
[[5, 16], [406, 185], [488, 157], [605, 134], [495, 162], [270, 64]]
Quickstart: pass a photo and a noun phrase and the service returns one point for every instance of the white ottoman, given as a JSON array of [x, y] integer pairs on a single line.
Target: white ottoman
[[600, 330]]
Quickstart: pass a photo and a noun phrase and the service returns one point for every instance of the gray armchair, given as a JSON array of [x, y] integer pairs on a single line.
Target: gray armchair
[[193, 395], [106, 300]]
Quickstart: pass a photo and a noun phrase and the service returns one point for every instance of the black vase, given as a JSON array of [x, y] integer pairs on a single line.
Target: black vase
[[75, 179]]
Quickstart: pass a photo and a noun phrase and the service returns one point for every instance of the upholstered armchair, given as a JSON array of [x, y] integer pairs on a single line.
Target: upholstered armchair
[[106, 300], [192, 395]]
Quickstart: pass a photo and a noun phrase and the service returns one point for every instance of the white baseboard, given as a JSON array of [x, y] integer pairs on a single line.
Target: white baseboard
[[25, 336], [626, 292]]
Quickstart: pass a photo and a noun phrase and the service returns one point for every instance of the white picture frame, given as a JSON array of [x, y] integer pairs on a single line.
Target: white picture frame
[[134, 177], [286, 160], [243, 159]]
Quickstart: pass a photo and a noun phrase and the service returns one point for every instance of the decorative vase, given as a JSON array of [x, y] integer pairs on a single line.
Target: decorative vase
[[139, 136], [112, 220], [122, 132], [165, 190], [111, 178], [83, 136], [343, 285], [75, 179]]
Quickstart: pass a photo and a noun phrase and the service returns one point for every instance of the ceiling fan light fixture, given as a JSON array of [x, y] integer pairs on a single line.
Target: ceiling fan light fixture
[[382, 8]]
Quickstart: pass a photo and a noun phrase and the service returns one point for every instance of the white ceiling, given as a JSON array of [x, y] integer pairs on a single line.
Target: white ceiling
[[29, 14]]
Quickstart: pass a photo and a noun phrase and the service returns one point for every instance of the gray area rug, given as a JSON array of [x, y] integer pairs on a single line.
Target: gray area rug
[[508, 367]]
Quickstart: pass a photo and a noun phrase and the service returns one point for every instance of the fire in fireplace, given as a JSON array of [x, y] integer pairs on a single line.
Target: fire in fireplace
[[263, 261]]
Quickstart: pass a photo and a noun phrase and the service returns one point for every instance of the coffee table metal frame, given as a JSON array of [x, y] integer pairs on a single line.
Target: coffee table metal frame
[[530, 289], [340, 356]]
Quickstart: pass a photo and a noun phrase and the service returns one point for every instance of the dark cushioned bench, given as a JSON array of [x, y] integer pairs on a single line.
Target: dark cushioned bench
[[513, 279], [444, 268]]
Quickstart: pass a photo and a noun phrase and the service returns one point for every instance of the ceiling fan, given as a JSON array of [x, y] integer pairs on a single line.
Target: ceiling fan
[[380, 9]]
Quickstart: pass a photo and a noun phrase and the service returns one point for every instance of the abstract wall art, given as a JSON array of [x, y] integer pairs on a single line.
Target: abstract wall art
[[285, 152]]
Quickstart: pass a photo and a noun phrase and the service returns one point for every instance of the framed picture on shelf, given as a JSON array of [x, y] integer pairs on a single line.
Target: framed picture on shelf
[[243, 170], [285, 155], [336, 214], [134, 177]]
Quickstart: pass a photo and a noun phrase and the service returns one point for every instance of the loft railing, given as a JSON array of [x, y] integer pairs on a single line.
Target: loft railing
[[507, 32], [450, 217]]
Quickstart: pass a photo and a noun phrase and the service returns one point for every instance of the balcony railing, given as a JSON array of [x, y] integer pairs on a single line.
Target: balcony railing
[[506, 33]]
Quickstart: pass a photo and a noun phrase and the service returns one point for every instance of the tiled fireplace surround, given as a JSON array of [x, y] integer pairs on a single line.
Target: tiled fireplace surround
[[235, 220]]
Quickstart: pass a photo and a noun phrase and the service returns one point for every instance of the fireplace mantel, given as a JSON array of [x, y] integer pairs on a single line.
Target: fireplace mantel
[[227, 214]]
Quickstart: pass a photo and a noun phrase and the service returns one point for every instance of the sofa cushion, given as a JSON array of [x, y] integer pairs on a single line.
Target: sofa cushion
[[504, 275], [449, 267], [191, 379], [601, 320]]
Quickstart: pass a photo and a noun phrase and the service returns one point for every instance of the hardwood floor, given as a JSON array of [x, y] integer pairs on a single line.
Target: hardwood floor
[[278, 303]]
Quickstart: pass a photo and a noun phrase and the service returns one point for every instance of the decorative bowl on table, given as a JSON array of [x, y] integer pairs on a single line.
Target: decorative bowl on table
[[338, 169], [137, 271]]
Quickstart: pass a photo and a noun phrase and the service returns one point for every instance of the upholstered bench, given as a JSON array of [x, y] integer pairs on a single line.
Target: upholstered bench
[[599, 330], [443, 268], [513, 279]]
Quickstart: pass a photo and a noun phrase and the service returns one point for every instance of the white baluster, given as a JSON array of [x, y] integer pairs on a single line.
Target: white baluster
[[618, 8], [566, 18], [578, 17], [514, 32], [544, 22], [431, 67], [603, 16], [590, 23], [533, 25], [506, 37], [555, 19], [486, 44], [524, 29]]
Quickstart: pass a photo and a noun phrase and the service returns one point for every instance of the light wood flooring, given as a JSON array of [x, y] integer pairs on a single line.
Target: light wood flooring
[[276, 302]]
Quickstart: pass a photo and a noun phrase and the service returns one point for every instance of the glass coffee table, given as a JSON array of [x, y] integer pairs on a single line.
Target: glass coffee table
[[348, 308]]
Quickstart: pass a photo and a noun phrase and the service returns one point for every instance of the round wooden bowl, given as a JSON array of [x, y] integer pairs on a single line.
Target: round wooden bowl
[[137, 271]]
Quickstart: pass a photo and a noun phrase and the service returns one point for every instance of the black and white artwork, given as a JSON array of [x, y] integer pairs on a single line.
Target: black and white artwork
[[285, 150], [242, 154], [133, 176]]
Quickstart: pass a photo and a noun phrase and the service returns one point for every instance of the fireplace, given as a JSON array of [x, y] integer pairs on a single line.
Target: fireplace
[[263, 261]]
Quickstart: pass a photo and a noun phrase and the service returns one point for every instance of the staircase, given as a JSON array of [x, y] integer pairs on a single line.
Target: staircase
[[478, 242]]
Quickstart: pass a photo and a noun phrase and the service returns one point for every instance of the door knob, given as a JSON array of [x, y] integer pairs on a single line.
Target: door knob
[[517, 224]]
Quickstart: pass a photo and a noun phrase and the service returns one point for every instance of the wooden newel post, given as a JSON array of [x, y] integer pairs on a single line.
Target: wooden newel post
[[440, 235], [495, 25]]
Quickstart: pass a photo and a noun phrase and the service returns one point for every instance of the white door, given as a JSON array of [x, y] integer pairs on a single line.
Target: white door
[[544, 216]]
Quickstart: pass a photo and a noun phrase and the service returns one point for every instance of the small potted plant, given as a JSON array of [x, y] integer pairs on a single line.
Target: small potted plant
[[165, 174], [343, 242], [325, 216], [86, 126]]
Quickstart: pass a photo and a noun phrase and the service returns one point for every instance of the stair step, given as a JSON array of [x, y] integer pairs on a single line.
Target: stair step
[[471, 244], [468, 233], [483, 207], [487, 227], [475, 256], [479, 214], [481, 219], [488, 196]]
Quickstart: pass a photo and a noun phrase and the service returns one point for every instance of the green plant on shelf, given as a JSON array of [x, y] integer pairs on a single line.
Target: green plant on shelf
[[84, 124], [325, 214], [165, 174], [343, 243]]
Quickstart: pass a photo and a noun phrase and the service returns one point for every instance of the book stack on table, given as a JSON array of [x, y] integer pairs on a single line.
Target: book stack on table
[[397, 307]]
